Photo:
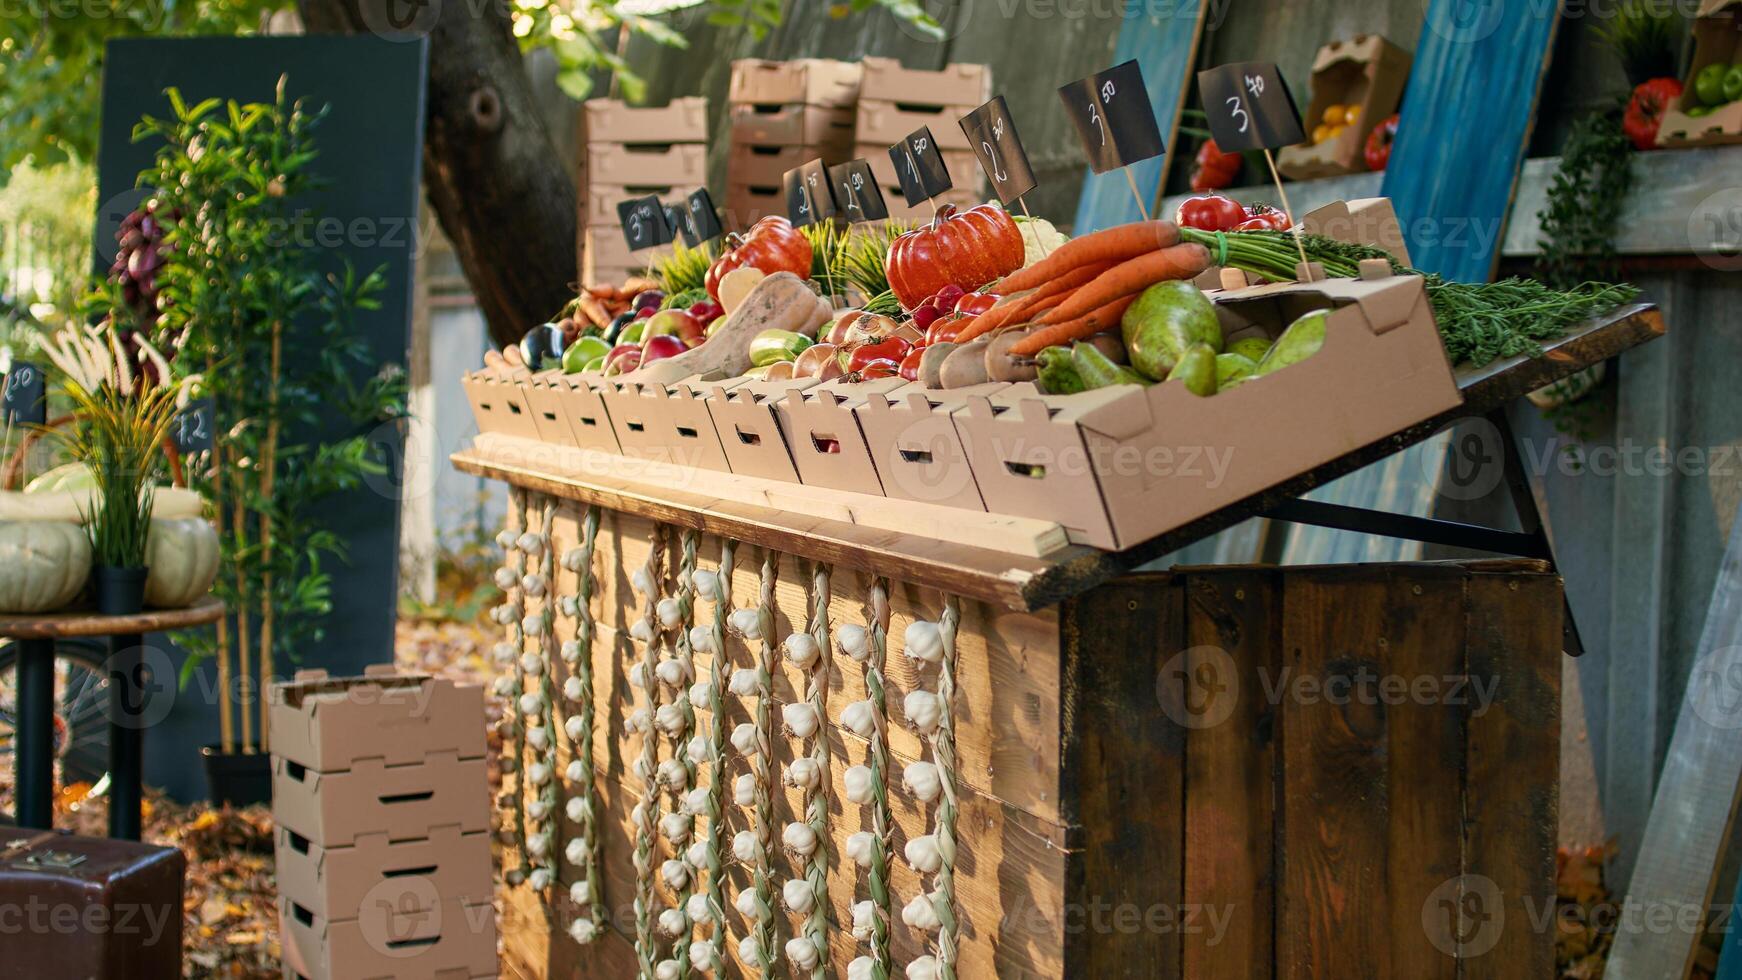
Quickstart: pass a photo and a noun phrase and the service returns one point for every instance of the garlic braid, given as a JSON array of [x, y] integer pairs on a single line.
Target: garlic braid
[[869, 718], [511, 684], [646, 810], [583, 809], [809, 841], [539, 702], [943, 745], [932, 714], [676, 613], [707, 955], [763, 934]]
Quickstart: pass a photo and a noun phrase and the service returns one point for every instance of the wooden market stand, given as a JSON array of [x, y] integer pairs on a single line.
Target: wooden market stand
[[1140, 790]]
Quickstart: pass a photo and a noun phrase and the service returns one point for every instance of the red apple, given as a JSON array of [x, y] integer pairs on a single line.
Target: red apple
[[661, 347]]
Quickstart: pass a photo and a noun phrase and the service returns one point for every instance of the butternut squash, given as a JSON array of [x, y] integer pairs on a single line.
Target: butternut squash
[[781, 301]]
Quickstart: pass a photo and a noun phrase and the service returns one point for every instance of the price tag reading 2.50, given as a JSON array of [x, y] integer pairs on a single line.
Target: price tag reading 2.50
[[1249, 107], [857, 192], [992, 134], [1113, 117], [25, 400]]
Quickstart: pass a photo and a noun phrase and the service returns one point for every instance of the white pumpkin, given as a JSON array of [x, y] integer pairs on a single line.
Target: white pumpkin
[[181, 557], [43, 565]]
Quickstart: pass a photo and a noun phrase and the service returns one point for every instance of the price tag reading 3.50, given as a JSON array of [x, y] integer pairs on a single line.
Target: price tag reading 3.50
[[856, 191], [1113, 117], [1249, 107], [992, 134]]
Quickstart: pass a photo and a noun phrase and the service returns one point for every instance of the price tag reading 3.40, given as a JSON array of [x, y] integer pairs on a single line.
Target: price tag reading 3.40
[[1249, 107], [856, 191], [644, 223], [992, 134], [1113, 117]]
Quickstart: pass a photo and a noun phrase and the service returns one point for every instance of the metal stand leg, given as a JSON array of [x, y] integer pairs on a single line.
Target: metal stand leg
[[127, 691], [34, 743], [1532, 516]]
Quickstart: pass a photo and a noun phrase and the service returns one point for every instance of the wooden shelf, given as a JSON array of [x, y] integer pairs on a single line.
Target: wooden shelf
[[1015, 581]]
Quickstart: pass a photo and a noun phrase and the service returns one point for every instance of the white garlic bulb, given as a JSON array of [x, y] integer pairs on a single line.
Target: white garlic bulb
[[743, 682], [670, 719], [532, 584], [697, 855], [744, 738], [701, 693], [569, 605], [530, 543], [800, 719], [923, 855], [537, 810], [854, 641], [538, 845], [667, 970], [696, 801], [530, 702], [698, 749], [642, 768], [503, 652], [573, 558], [864, 919], [574, 773], [804, 773], [672, 922], [748, 906], [673, 774], [505, 578], [862, 968], [744, 789], [860, 847], [670, 672], [575, 851], [576, 807], [572, 691], [638, 674], [532, 623], [797, 895], [702, 639], [696, 907], [744, 846], [924, 710], [923, 780], [748, 951], [503, 685], [505, 539], [676, 827], [639, 817], [923, 641], [538, 773], [571, 651], [803, 953], [675, 873], [706, 583], [702, 952], [921, 914], [583, 931], [641, 581], [504, 614], [925, 968], [641, 631], [799, 838], [859, 784], [670, 612], [581, 892], [802, 650], [538, 738], [747, 623], [541, 879], [532, 663], [639, 720]]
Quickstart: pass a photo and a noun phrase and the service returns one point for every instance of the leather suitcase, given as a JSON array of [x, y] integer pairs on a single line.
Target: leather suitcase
[[90, 908]]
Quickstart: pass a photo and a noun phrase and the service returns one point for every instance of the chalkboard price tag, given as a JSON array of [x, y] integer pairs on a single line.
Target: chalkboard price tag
[[798, 203], [820, 191], [193, 427], [25, 400], [644, 224], [993, 135], [922, 149], [857, 193], [1113, 117], [1249, 107], [677, 217], [704, 217]]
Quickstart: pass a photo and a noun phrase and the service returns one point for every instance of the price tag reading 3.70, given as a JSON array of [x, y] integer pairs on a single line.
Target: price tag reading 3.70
[[1249, 107]]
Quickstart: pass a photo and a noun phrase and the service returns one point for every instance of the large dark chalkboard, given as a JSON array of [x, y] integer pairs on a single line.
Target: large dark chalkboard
[[371, 147]]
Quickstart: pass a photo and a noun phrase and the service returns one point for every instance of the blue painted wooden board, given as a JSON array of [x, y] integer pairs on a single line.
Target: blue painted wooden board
[[1165, 44], [1467, 118]]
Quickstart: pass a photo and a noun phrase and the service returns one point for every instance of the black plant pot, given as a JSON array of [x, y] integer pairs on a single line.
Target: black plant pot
[[120, 591], [238, 778]]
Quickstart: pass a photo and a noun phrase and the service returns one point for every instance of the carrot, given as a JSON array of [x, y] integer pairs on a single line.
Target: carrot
[[1132, 276], [1105, 318], [1108, 245], [1013, 308]]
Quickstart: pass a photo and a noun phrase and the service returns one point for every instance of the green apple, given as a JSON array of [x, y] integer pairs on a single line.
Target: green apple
[[715, 324], [633, 332], [1733, 83], [1698, 111], [582, 351], [1709, 84]]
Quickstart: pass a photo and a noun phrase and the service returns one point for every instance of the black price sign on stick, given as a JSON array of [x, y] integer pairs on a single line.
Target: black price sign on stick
[[704, 217], [25, 400], [1249, 107], [820, 190], [677, 216], [798, 203], [644, 223], [193, 427], [1113, 117], [920, 167], [857, 192], [993, 135]]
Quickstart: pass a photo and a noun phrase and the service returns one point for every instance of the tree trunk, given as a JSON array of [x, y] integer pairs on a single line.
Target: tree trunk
[[499, 189]]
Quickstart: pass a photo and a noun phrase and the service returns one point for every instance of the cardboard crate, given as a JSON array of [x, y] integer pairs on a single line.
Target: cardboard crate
[[963, 166], [544, 399], [1717, 31], [766, 166], [746, 203], [602, 200], [616, 121], [338, 883], [498, 403], [1366, 70], [916, 447], [811, 81], [329, 724], [1121, 465], [793, 124], [584, 410], [446, 940], [405, 802], [606, 256], [828, 450], [899, 210], [956, 85], [664, 423], [748, 424], [684, 165], [888, 123]]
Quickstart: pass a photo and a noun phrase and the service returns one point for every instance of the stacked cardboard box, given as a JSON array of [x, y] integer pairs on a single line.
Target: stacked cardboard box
[[784, 114], [627, 152], [895, 101], [382, 814]]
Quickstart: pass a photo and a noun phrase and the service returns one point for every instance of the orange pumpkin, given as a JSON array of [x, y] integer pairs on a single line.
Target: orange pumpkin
[[967, 248], [772, 245]]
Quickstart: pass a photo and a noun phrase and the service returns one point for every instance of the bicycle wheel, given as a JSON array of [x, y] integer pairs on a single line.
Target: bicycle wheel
[[81, 720]]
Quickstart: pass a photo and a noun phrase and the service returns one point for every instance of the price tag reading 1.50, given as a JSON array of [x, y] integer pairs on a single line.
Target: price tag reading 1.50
[[1249, 107], [920, 167], [1113, 117], [992, 134], [857, 192]]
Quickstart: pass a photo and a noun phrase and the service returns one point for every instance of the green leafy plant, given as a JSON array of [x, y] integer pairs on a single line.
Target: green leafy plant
[[685, 269], [1645, 35], [1585, 199], [863, 254], [259, 309]]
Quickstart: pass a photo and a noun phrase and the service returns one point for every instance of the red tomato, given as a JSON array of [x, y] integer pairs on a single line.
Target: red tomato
[[976, 303], [772, 245], [944, 329], [910, 364], [1378, 150], [967, 250], [1645, 111], [1211, 212], [881, 368], [1215, 169], [1263, 217], [892, 350]]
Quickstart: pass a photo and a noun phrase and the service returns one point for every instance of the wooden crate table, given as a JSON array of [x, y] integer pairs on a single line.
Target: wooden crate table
[[1204, 772]]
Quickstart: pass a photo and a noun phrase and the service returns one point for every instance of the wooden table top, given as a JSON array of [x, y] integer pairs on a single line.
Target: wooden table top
[[88, 622], [1025, 583]]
